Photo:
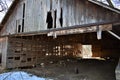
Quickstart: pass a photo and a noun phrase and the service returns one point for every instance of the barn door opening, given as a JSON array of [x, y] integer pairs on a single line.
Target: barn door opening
[[83, 51]]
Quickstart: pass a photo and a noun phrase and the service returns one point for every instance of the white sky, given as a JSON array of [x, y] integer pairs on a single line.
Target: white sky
[[3, 13]]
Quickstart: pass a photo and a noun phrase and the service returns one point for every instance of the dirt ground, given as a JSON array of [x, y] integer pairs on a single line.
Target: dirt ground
[[72, 69]]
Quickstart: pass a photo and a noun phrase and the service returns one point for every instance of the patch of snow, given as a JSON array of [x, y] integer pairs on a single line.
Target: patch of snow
[[19, 75]]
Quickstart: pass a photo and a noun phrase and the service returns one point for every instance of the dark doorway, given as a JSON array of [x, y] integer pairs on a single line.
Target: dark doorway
[[19, 28]]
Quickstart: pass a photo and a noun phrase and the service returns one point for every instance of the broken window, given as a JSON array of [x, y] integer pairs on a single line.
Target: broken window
[[17, 58], [55, 16], [49, 20], [17, 51], [61, 17], [23, 61], [29, 59], [10, 57]]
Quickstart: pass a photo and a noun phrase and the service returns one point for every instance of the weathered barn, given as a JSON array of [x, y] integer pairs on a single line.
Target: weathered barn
[[36, 31]]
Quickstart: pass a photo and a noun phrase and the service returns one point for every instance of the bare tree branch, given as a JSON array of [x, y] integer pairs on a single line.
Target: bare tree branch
[[3, 5], [110, 3]]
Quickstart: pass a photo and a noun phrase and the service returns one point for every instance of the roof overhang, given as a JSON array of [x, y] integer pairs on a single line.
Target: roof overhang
[[105, 6], [77, 29]]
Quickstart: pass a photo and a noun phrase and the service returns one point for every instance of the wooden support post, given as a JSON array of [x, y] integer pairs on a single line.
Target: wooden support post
[[99, 33]]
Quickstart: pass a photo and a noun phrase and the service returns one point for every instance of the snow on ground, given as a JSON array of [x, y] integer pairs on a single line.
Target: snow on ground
[[20, 76]]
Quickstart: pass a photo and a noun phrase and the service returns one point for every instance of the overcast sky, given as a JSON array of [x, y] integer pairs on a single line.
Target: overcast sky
[[115, 2]]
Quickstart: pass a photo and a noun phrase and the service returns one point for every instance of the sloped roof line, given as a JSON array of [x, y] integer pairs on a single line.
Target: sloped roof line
[[105, 6]]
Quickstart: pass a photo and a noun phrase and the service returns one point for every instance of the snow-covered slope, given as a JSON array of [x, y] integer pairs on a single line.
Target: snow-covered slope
[[19, 76]]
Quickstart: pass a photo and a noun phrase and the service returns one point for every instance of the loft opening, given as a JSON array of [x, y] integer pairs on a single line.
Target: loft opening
[[23, 17], [61, 17], [49, 20]]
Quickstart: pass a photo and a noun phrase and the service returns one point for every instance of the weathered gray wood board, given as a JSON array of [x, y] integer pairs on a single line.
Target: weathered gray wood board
[[3, 51], [117, 71], [64, 12]]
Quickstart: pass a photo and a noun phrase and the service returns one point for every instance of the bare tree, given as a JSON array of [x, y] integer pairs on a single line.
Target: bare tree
[[110, 3], [4, 5]]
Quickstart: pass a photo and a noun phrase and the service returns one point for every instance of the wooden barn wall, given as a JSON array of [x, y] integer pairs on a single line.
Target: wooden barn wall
[[70, 12], [26, 52], [20, 53], [34, 50]]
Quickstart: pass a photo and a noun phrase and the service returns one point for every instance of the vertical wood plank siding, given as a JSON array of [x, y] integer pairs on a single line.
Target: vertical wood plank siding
[[75, 12]]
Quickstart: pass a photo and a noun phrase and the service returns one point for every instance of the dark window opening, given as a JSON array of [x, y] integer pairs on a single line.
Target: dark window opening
[[23, 25], [10, 57], [49, 20], [34, 57], [17, 51], [23, 54], [23, 17], [55, 13], [61, 17], [17, 58], [19, 28], [23, 10], [29, 59], [23, 61]]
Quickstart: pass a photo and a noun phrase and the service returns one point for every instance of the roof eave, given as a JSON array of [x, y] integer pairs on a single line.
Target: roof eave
[[105, 6]]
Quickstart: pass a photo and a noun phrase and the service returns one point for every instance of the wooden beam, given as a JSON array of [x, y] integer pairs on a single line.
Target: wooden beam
[[113, 34], [99, 33], [97, 29], [110, 3], [42, 32], [105, 6]]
